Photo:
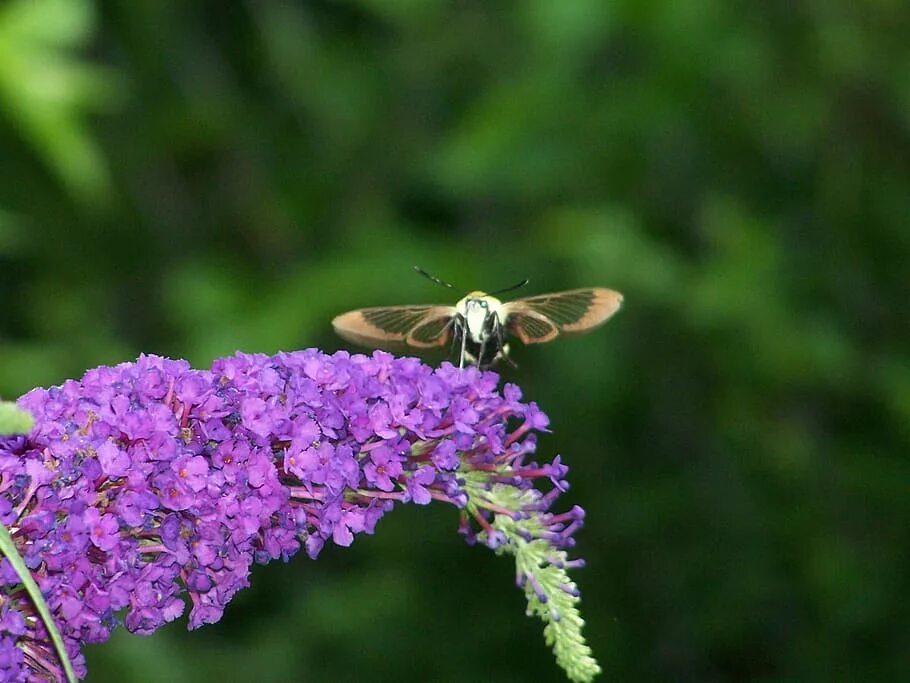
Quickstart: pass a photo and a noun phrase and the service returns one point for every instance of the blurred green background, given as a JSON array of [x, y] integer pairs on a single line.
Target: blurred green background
[[195, 178]]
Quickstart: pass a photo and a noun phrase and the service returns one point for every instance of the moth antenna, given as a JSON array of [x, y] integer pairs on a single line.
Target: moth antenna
[[433, 278], [518, 285]]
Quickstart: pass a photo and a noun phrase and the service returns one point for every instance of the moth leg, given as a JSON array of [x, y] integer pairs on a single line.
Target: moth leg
[[454, 341], [458, 321], [492, 336], [464, 341], [504, 354]]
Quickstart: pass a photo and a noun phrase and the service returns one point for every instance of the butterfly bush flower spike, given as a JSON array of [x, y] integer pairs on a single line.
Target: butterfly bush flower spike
[[150, 487]]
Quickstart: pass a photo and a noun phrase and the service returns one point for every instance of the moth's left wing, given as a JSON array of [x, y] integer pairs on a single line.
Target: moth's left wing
[[395, 327], [537, 319]]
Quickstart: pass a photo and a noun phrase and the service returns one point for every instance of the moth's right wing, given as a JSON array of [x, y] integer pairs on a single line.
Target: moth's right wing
[[395, 327], [541, 318]]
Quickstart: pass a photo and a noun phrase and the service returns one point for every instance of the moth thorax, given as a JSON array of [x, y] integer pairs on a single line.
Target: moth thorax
[[482, 314]]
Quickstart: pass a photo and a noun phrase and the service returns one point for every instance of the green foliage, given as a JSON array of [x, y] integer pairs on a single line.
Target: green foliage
[[538, 563], [46, 89], [8, 550], [737, 434], [14, 420]]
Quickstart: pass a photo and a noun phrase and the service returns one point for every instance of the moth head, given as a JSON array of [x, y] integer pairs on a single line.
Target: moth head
[[478, 303], [480, 311]]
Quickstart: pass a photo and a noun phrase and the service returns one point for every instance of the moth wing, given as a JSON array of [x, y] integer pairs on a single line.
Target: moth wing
[[531, 327], [434, 330], [396, 327], [537, 319]]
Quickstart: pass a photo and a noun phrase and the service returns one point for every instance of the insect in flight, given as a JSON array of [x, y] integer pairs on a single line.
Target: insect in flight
[[479, 323]]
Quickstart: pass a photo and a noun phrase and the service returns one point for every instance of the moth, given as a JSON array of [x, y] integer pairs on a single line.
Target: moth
[[479, 324]]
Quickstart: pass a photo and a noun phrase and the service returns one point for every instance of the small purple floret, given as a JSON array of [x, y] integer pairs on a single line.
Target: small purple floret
[[151, 482]]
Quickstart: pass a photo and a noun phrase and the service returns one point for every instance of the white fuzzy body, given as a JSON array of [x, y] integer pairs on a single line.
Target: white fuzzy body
[[476, 308]]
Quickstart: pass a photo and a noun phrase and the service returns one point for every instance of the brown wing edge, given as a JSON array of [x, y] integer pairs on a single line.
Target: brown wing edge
[[604, 304], [355, 328], [520, 324], [431, 331]]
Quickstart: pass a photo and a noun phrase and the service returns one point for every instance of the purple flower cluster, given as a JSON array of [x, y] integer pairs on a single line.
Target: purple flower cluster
[[150, 480]]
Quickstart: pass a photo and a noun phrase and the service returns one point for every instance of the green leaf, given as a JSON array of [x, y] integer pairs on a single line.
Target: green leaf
[[541, 564], [8, 548], [46, 89], [14, 420]]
